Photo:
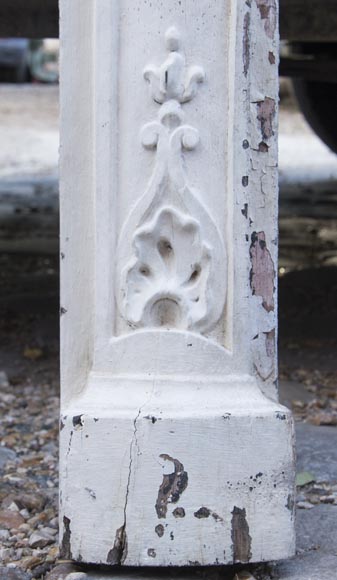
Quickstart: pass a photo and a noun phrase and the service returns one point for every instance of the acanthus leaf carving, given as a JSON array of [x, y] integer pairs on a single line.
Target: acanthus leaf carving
[[171, 256]]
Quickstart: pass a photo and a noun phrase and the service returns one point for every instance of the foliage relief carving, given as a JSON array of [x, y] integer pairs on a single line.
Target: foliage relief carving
[[171, 256]]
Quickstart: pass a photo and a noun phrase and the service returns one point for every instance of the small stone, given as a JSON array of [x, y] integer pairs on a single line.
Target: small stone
[[13, 507], [244, 575], [50, 531], [5, 554], [40, 539], [25, 513], [7, 398], [62, 571], [30, 562], [54, 523], [10, 520], [14, 574], [4, 535], [304, 505], [6, 455]]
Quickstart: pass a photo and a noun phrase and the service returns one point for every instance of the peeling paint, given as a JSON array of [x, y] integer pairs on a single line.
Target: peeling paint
[[262, 274], [78, 421], [270, 343], [240, 536], [244, 210], [268, 13], [271, 57], [202, 512], [265, 115], [245, 180], [152, 418], [65, 549], [263, 147], [179, 512], [280, 416], [246, 43], [172, 486], [118, 553], [160, 530], [151, 552]]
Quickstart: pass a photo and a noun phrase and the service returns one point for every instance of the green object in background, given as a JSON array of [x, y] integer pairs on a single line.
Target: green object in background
[[303, 478]]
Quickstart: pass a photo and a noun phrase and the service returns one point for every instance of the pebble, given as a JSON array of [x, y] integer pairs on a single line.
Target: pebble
[[6, 455], [4, 535], [62, 571], [41, 539], [10, 520], [14, 574], [304, 505]]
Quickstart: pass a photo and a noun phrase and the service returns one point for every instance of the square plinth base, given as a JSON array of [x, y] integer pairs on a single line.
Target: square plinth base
[[153, 477]]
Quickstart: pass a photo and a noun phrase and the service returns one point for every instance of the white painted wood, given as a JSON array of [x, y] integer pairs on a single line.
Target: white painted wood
[[174, 448]]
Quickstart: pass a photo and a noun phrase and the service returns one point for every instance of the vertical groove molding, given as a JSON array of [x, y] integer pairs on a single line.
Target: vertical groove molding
[[174, 448]]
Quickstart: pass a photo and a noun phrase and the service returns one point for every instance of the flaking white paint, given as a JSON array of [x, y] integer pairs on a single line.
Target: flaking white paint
[[169, 197]]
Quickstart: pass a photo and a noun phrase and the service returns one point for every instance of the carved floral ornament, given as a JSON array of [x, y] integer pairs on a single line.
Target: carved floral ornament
[[171, 256]]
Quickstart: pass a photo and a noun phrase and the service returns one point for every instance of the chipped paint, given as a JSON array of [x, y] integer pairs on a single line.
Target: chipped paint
[[270, 343], [262, 274], [179, 512], [263, 147], [281, 416], [246, 43], [202, 512], [78, 421], [240, 536], [151, 552], [244, 210], [205, 512], [271, 57], [160, 530], [118, 553], [265, 115], [172, 486], [268, 13], [65, 549]]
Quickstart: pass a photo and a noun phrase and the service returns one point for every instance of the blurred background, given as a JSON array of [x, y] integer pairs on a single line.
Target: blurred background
[[29, 270]]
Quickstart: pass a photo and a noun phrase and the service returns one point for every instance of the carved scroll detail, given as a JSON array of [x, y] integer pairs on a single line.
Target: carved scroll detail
[[171, 257]]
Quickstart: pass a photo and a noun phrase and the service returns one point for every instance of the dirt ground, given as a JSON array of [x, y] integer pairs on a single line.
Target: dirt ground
[[29, 306]]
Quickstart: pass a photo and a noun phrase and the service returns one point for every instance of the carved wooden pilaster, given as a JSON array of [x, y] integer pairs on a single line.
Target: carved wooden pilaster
[[174, 448]]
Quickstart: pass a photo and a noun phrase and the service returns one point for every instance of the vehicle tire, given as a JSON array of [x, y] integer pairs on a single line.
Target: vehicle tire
[[21, 73], [317, 101]]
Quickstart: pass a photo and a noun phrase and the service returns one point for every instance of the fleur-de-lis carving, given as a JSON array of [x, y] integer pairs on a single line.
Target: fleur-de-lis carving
[[172, 80]]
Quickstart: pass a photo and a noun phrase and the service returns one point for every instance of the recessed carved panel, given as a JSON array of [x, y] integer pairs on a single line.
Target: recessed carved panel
[[171, 255]]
